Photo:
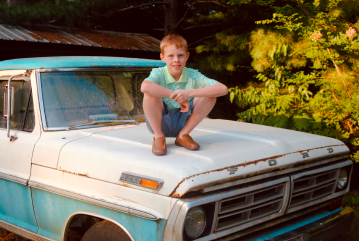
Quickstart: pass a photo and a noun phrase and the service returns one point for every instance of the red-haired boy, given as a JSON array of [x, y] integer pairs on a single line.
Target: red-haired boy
[[176, 98]]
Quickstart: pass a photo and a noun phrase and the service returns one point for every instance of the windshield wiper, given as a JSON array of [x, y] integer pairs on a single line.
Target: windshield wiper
[[101, 122]]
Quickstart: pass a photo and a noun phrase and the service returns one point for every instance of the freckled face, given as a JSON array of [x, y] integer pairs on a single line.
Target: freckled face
[[175, 59]]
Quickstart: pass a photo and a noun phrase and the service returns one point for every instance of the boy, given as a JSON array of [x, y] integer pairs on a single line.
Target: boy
[[176, 99]]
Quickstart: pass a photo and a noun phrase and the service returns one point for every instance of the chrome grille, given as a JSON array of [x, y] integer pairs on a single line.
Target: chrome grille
[[244, 208], [311, 187], [253, 203]]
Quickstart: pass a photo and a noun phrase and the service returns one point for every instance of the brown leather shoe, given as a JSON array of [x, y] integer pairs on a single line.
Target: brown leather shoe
[[159, 146], [187, 142]]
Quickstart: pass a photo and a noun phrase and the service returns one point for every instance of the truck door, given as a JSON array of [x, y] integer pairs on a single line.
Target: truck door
[[16, 206]]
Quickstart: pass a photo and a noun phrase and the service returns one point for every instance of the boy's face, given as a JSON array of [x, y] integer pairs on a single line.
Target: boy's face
[[175, 59]]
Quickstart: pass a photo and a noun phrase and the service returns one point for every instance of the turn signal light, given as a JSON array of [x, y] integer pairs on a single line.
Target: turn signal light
[[149, 183], [140, 180]]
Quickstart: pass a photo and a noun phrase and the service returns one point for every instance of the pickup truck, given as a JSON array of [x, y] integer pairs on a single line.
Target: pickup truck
[[76, 155]]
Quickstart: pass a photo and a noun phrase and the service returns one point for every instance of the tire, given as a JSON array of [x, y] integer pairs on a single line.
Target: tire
[[105, 231]]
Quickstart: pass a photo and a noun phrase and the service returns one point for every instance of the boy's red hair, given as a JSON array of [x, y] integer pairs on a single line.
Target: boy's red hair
[[173, 39]]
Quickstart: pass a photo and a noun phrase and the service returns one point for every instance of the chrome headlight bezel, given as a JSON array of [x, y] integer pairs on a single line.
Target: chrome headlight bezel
[[195, 215], [343, 178]]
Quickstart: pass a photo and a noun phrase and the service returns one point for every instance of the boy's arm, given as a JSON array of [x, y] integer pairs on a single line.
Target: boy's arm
[[153, 89], [215, 90], [156, 90]]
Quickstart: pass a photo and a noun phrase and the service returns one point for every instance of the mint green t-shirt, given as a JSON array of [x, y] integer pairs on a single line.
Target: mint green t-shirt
[[190, 79]]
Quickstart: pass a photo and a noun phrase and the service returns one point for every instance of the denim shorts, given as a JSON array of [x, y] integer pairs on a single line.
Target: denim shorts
[[172, 120]]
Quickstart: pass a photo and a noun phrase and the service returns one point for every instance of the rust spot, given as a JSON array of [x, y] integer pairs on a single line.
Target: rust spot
[[76, 173], [178, 195], [247, 163], [86, 175]]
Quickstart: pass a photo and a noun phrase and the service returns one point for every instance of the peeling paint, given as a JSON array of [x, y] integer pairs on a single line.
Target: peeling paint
[[76, 173], [247, 163]]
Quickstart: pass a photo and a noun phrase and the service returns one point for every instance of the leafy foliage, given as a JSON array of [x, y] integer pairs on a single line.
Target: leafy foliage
[[352, 200], [94, 14], [306, 59]]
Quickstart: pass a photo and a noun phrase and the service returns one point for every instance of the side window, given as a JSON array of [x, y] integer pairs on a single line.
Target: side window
[[22, 110]]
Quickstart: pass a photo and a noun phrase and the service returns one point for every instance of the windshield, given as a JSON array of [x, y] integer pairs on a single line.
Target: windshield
[[72, 98]]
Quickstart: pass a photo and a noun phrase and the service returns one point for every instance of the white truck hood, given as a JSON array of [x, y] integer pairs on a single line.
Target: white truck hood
[[229, 151]]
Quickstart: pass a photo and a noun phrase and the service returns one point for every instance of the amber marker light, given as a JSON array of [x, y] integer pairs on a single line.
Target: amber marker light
[[140, 180], [149, 183]]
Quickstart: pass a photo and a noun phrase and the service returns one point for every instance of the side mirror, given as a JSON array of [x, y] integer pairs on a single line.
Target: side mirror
[[6, 102]]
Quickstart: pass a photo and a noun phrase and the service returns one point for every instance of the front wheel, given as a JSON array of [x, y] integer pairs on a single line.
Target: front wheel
[[105, 231]]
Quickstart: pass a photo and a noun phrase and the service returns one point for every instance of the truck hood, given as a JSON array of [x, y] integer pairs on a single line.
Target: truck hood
[[229, 151]]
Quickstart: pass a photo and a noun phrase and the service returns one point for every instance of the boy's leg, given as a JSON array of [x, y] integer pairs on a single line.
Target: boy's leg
[[202, 107], [153, 107]]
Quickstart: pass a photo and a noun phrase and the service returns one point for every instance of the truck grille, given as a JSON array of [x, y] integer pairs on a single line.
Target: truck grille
[[311, 187], [253, 203], [250, 206]]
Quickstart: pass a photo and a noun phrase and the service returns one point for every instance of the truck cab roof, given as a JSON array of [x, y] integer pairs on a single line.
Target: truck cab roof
[[77, 62]]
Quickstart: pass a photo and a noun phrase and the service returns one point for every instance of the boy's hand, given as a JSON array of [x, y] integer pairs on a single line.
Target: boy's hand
[[180, 96], [185, 106]]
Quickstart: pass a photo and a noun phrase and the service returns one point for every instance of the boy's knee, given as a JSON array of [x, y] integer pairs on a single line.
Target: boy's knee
[[151, 97], [212, 99], [152, 102]]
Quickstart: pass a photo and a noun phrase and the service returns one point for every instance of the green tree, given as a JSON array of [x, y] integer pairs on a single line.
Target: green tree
[[305, 60], [156, 17]]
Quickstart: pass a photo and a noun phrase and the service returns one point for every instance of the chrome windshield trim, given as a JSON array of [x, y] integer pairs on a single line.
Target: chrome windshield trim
[[90, 124], [22, 232], [95, 201], [41, 102], [13, 178]]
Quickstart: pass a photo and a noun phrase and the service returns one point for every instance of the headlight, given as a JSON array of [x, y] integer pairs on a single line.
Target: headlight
[[342, 178], [195, 222]]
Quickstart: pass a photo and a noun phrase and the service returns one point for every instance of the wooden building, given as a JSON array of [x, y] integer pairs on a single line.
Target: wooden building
[[42, 41]]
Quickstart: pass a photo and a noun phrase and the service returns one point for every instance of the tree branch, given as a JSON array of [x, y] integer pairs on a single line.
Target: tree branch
[[142, 5], [335, 97], [185, 14], [202, 25], [128, 8], [305, 10], [202, 39], [189, 8], [340, 75], [155, 19], [215, 2]]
